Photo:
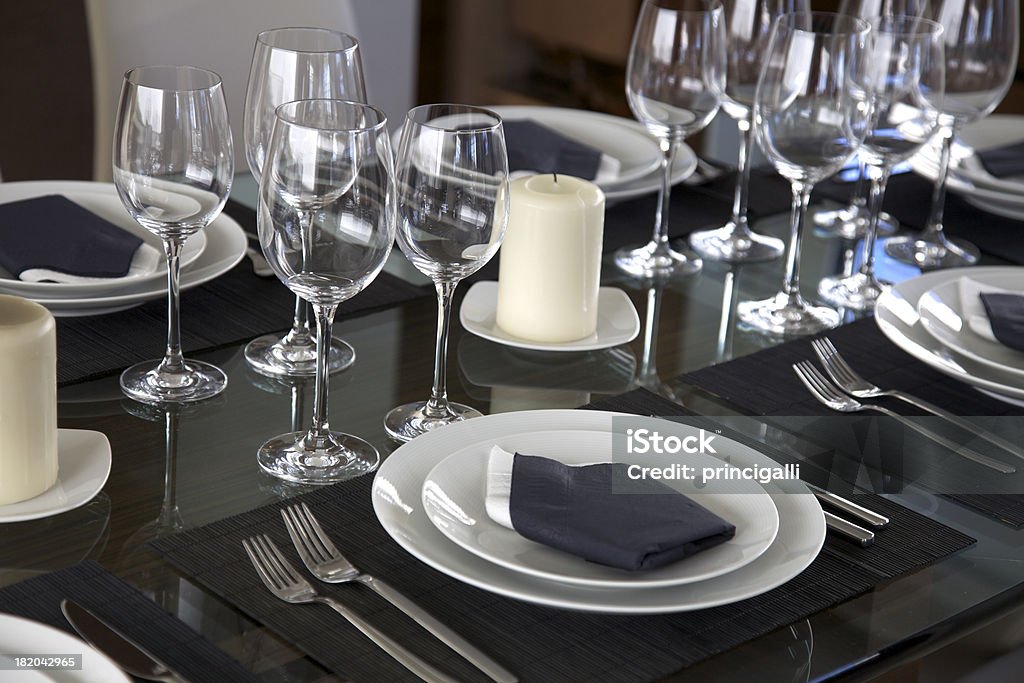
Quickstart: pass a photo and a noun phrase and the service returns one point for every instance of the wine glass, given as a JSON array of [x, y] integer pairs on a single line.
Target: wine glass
[[981, 42], [675, 80], [810, 115], [173, 164], [326, 225], [291, 64], [453, 209], [905, 83], [748, 26]]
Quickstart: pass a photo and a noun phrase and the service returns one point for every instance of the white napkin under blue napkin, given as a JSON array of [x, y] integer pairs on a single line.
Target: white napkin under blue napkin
[[635, 524]]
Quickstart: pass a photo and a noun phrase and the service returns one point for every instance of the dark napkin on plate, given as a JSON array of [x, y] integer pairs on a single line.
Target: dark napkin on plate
[[54, 233], [1006, 315], [1004, 161], [535, 147], [598, 513]]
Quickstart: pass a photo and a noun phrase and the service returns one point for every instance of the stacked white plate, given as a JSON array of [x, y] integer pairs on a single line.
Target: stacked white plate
[[207, 254], [928, 318], [968, 176], [429, 496]]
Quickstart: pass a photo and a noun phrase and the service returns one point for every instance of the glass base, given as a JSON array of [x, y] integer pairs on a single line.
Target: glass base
[[932, 253], [655, 260], [781, 316], [271, 355], [851, 222], [147, 383], [858, 292], [408, 421], [339, 458], [734, 246]]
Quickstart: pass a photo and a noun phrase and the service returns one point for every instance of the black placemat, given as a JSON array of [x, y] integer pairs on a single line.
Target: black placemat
[[537, 643], [228, 310], [131, 612]]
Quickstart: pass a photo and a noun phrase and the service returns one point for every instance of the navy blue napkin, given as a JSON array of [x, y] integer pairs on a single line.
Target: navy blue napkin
[[1004, 161], [1006, 315], [54, 233], [600, 514], [535, 147]]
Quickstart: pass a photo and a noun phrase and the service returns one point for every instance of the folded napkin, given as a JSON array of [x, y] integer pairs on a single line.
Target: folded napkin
[[1004, 161], [51, 238], [985, 308], [536, 148], [637, 525]]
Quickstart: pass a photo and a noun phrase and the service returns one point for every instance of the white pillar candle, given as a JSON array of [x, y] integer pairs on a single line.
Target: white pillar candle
[[28, 399], [551, 259]]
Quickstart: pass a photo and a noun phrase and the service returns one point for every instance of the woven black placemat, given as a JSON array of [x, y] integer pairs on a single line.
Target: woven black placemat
[[537, 643], [131, 612]]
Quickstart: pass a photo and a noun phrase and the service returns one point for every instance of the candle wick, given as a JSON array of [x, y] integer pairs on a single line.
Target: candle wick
[[556, 177]]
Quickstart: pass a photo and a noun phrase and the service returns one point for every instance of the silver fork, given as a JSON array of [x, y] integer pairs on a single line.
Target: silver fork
[[325, 562], [855, 385], [285, 582], [830, 395]]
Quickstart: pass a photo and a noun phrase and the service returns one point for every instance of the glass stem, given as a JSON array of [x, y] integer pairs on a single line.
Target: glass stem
[[172, 361], [797, 218], [933, 228], [300, 322], [319, 434], [169, 508], [860, 189], [878, 183], [739, 201], [437, 406], [668, 149]]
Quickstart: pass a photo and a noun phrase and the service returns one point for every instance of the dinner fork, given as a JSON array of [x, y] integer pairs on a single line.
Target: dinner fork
[[830, 395], [325, 562], [855, 385], [285, 582]]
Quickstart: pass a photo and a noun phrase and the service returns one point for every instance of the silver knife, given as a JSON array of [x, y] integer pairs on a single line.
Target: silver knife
[[848, 506], [859, 534], [130, 657]]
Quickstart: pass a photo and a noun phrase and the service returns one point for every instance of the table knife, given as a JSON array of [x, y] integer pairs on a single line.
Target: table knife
[[131, 658], [849, 507], [858, 534]]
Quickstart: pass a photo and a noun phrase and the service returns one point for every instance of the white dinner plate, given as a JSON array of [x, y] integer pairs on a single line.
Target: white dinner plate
[[398, 484], [24, 636], [943, 316], [896, 315], [102, 200], [617, 320], [454, 500], [967, 173], [83, 465]]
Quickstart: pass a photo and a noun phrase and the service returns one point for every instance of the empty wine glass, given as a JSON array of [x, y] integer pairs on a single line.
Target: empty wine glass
[[981, 42], [748, 27], [905, 85], [326, 225], [810, 115], [675, 80], [291, 64], [173, 164], [453, 188]]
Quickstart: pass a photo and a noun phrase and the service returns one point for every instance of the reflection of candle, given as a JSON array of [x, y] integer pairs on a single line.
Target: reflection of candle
[[551, 259], [28, 399]]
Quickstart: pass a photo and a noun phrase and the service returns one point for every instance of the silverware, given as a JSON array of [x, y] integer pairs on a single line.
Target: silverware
[[131, 658], [862, 536], [830, 395], [285, 582], [849, 507], [855, 385], [325, 562], [260, 267]]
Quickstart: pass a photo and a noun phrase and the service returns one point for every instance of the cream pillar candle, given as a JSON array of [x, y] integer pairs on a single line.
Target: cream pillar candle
[[28, 399], [550, 264]]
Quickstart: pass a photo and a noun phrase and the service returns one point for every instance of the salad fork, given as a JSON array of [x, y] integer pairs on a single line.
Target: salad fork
[[830, 395]]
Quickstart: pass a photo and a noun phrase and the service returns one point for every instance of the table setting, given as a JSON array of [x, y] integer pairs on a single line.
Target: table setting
[[642, 465]]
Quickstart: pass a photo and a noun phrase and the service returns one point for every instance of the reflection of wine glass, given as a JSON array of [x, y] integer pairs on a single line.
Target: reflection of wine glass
[[291, 64], [748, 26], [810, 114], [981, 42], [173, 165], [674, 83], [326, 225], [453, 210], [905, 84]]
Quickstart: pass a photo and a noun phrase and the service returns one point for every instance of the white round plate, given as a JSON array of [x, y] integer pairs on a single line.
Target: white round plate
[[942, 316], [896, 315], [83, 466], [454, 500], [991, 131], [617, 320], [19, 635], [102, 200], [399, 482]]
